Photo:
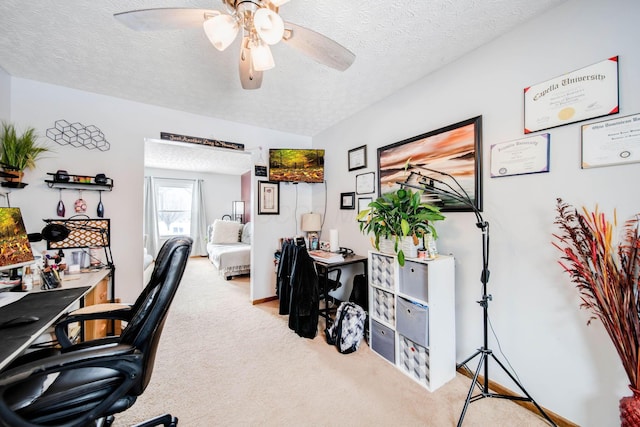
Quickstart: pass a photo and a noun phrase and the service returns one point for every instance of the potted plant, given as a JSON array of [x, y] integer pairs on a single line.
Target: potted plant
[[19, 152], [399, 215], [607, 278]]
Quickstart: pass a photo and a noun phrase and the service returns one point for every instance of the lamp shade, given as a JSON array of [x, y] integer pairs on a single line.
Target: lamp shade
[[221, 30], [311, 222], [268, 25], [261, 57]]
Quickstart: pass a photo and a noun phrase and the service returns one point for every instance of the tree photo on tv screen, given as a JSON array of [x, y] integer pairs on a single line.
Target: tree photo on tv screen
[[296, 165]]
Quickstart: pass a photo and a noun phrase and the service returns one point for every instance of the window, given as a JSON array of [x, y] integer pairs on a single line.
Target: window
[[173, 201]]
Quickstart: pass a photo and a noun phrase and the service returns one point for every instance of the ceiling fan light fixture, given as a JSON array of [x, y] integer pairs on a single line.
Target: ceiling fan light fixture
[[269, 25], [261, 57], [221, 30]]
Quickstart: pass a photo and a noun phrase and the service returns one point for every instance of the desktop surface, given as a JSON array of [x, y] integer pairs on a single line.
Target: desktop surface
[[46, 306]]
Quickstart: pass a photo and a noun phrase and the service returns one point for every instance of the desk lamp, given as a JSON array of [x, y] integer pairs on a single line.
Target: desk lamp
[[311, 223]]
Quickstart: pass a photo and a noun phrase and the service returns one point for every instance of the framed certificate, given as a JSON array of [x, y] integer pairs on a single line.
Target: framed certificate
[[358, 158], [519, 157], [573, 97], [612, 142], [366, 183]]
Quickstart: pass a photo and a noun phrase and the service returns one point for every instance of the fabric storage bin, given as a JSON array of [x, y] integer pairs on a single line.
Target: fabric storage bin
[[412, 321], [414, 360], [384, 306], [382, 271], [383, 340], [414, 280]]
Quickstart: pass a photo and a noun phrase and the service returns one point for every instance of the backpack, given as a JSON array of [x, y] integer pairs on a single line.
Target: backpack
[[347, 331]]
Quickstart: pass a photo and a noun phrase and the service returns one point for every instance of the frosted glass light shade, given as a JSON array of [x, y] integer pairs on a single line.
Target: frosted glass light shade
[[311, 222], [261, 57], [278, 3], [268, 25], [221, 30]]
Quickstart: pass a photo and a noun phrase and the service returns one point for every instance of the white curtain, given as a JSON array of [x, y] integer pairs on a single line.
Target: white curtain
[[198, 220], [150, 224]]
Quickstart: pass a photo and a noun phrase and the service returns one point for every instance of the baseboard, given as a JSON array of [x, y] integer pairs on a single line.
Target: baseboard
[[263, 300], [559, 420]]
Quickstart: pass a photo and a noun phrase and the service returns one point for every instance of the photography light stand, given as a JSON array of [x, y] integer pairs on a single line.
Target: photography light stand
[[428, 184]]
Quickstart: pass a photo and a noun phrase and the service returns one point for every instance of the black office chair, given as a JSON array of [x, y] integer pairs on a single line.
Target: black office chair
[[85, 384]]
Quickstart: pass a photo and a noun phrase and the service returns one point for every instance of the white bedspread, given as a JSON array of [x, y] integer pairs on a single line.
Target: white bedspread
[[230, 257]]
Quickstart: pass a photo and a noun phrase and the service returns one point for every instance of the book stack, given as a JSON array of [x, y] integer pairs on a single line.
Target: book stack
[[328, 257]]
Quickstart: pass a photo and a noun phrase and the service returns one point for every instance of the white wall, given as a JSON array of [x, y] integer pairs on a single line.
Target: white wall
[[566, 366], [5, 95], [126, 124]]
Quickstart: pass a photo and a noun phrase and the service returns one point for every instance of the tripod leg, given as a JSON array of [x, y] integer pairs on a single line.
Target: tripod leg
[[474, 382], [468, 359], [542, 412]]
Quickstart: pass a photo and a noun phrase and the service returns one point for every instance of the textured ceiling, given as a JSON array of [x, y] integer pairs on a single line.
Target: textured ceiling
[[78, 44]]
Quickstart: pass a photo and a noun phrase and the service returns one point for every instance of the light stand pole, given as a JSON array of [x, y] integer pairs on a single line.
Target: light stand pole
[[428, 184]]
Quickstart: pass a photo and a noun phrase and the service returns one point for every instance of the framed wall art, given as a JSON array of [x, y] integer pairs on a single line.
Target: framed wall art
[[572, 97], [348, 200], [366, 183], [268, 198], [357, 158], [452, 155]]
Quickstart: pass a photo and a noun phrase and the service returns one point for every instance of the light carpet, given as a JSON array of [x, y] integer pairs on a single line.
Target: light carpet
[[224, 362]]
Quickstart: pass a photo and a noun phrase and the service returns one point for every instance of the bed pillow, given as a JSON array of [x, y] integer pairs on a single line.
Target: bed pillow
[[246, 233], [226, 231]]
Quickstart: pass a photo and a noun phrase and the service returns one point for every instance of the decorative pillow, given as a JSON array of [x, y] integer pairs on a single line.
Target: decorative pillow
[[246, 233], [226, 231]]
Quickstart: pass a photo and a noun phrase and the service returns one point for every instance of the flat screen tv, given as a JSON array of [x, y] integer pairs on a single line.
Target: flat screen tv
[[296, 165], [15, 250]]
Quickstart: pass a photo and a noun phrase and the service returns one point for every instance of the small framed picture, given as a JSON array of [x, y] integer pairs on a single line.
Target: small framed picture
[[268, 198], [366, 183], [348, 200], [358, 158], [363, 203]]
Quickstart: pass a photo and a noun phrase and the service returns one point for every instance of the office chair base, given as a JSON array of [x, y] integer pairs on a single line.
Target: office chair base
[[166, 420]]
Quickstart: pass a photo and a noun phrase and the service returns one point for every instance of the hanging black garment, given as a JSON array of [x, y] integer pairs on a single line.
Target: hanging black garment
[[283, 282], [304, 307]]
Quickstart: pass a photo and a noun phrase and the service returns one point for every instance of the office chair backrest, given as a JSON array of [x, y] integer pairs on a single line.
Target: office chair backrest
[[145, 327]]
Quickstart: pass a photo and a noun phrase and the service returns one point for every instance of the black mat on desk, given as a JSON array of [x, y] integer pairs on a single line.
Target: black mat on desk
[[45, 305]]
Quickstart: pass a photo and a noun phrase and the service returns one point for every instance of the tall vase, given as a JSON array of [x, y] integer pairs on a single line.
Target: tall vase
[[630, 409]]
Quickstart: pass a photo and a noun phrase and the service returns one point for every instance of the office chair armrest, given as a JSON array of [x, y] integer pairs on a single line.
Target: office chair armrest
[[61, 326], [124, 360]]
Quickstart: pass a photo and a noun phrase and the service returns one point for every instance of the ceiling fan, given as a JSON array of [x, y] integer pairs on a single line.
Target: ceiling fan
[[261, 26]]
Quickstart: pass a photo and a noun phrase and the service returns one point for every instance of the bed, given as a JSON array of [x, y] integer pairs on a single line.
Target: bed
[[229, 247]]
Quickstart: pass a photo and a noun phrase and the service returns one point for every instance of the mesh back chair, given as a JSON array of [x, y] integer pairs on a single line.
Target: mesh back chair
[[85, 384]]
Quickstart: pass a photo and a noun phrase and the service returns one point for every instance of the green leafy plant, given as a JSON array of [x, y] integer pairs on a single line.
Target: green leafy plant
[[606, 277], [19, 152], [399, 214]]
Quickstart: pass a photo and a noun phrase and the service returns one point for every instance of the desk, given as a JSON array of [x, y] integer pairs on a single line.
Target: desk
[[324, 268], [48, 305]]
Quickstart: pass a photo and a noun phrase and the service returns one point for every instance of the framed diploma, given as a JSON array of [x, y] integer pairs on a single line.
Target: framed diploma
[[573, 97], [612, 142], [358, 158], [348, 200], [519, 157], [363, 203], [366, 183]]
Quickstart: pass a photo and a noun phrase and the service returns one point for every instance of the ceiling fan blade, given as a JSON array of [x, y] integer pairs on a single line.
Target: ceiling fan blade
[[318, 47], [170, 18], [249, 78]]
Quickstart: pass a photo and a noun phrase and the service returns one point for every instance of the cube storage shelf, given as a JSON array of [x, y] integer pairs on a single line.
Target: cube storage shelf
[[412, 319]]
